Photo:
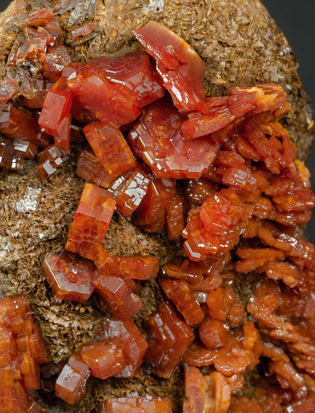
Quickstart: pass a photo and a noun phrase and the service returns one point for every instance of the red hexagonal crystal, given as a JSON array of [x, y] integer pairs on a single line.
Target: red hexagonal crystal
[[91, 221], [151, 212], [178, 64], [195, 391], [138, 267], [70, 276], [106, 100], [129, 190], [128, 336], [39, 18], [103, 358], [148, 404], [25, 148], [175, 221], [168, 339], [120, 301], [56, 108], [57, 57], [89, 167], [110, 147], [157, 139], [9, 157], [179, 293], [71, 383], [64, 139], [50, 159], [16, 124], [135, 72], [33, 49]]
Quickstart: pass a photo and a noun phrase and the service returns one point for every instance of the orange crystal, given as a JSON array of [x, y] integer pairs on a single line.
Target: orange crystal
[[89, 167], [103, 358], [71, 382], [148, 404], [168, 339], [70, 276], [129, 339], [110, 147], [91, 221]]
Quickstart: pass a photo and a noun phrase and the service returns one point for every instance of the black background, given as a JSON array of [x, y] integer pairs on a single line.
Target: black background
[[296, 19]]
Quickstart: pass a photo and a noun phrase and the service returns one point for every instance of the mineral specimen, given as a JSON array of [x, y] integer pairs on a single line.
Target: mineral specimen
[[150, 404]]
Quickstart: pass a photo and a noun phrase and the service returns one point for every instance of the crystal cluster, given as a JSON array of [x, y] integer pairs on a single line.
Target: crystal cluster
[[22, 349], [218, 175]]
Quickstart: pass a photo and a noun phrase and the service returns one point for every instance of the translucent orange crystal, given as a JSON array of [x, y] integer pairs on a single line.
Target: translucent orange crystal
[[148, 404], [91, 221], [70, 276]]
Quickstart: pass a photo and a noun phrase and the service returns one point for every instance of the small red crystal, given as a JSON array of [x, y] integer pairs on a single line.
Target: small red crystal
[[71, 382], [121, 302], [33, 49], [130, 340], [167, 153], [110, 147], [39, 18], [25, 148], [57, 57], [175, 221], [195, 392], [50, 159], [129, 190], [56, 108], [109, 102], [135, 72], [9, 157], [89, 167], [70, 276], [213, 333], [91, 221], [178, 64], [179, 293], [37, 101], [168, 339], [103, 358]]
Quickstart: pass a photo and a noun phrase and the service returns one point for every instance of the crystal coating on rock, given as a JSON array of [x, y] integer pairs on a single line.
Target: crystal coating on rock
[[110, 147], [70, 276], [133, 70], [91, 221]]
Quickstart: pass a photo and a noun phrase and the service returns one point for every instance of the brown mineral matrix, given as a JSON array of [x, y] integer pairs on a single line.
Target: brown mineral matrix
[[240, 45]]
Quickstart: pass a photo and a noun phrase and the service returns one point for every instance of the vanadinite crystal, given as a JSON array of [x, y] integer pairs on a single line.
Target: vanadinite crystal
[[56, 108], [9, 157], [50, 159], [135, 72], [71, 383], [120, 301], [157, 139], [110, 147], [37, 101], [84, 30], [129, 190], [89, 167], [168, 338], [25, 148], [148, 404], [178, 64], [70, 275], [57, 57], [106, 100], [104, 358], [22, 348], [91, 221], [128, 336]]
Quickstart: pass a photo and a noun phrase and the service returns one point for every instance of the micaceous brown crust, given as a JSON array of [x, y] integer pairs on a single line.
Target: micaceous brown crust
[[240, 45]]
